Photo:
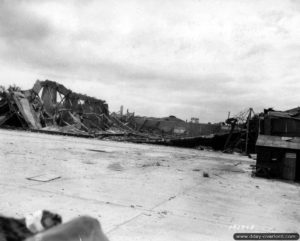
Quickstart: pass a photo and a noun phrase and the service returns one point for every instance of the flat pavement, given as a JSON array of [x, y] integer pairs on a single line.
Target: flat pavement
[[142, 192]]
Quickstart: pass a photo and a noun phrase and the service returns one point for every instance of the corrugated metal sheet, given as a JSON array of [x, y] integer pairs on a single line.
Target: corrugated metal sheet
[[279, 142], [293, 111], [279, 114]]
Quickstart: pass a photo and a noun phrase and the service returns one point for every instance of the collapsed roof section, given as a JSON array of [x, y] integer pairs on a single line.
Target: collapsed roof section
[[49, 104], [17, 110]]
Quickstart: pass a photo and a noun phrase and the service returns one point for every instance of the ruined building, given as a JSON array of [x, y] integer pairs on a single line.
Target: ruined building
[[51, 105]]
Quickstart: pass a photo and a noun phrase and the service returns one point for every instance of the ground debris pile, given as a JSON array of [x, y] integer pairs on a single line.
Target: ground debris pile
[[50, 106]]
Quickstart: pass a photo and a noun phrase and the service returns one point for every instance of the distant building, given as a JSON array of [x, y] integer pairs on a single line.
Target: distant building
[[194, 120]]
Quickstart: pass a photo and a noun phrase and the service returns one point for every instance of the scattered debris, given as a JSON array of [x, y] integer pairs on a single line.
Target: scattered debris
[[205, 174], [96, 150], [44, 178], [236, 164], [89, 162], [151, 164], [170, 198], [162, 213]]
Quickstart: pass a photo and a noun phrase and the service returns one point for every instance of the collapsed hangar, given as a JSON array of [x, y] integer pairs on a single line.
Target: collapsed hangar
[[50, 104]]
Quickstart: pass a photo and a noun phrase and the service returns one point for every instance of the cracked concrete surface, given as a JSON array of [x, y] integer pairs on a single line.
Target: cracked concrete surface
[[143, 192]]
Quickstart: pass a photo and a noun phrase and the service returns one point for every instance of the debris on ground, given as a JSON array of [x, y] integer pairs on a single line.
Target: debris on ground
[[44, 178], [152, 164], [238, 163], [163, 213], [96, 150], [88, 162], [205, 174], [50, 106], [170, 198]]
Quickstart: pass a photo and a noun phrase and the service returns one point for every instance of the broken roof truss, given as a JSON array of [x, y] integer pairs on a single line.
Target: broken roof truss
[[50, 104]]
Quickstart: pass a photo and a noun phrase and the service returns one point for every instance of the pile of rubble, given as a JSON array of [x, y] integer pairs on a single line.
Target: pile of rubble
[[51, 106]]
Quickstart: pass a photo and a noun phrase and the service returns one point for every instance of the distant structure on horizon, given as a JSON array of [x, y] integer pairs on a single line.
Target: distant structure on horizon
[[195, 120]]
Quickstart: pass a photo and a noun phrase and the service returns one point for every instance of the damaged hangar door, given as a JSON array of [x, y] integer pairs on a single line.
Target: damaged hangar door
[[289, 166]]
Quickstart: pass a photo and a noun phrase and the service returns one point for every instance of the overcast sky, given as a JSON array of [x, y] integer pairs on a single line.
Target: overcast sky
[[189, 58]]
